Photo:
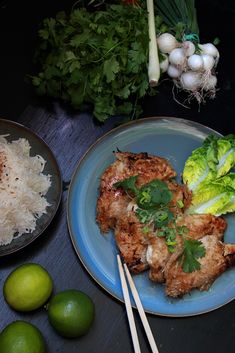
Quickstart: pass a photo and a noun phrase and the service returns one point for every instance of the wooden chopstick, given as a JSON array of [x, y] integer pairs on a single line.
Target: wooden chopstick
[[138, 305], [141, 311], [129, 311]]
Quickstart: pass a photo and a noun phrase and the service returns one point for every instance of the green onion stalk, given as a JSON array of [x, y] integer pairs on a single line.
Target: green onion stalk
[[153, 65]]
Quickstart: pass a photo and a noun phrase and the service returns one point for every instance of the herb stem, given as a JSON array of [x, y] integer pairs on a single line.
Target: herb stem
[[108, 51]]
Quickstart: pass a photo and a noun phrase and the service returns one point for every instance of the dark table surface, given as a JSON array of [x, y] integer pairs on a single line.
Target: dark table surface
[[207, 333]]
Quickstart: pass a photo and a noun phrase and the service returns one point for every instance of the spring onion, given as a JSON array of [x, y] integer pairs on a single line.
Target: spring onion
[[153, 65]]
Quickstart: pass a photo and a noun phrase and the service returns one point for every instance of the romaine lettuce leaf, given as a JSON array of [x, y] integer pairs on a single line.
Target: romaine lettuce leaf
[[200, 167], [226, 154], [212, 160], [216, 197]]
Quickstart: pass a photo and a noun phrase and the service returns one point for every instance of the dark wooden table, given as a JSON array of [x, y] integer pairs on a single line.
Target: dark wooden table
[[69, 134]]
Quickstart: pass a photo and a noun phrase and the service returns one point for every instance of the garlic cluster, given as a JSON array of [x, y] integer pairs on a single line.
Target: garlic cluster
[[191, 67]]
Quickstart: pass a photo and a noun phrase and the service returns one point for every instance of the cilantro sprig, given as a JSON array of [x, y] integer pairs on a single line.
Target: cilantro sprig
[[193, 250], [128, 185], [153, 201]]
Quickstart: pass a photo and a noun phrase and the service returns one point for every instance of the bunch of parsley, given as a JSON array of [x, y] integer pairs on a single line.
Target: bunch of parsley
[[96, 57]]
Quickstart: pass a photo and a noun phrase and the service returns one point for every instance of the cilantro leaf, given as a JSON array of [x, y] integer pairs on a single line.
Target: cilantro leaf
[[111, 67], [128, 184], [156, 183], [81, 38], [136, 57], [125, 108], [166, 196], [103, 106], [163, 217], [193, 249], [154, 194]]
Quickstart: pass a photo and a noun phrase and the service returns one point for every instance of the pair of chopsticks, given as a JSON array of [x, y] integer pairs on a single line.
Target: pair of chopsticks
[[139, 306]]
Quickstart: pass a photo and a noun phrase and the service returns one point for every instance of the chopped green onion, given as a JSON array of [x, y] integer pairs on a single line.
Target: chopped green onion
[[180, 204]]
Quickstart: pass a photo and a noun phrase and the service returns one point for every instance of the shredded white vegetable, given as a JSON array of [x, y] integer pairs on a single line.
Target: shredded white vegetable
[[23, 187]]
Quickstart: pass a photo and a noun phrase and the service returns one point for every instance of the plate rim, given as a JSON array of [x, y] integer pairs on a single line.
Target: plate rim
[[72, 238], [41, 140]]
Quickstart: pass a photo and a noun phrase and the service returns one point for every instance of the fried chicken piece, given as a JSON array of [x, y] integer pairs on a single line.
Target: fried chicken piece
[[179, 193], [146, 166], [218, 258], [112, 203], [197, 225], [157, 255], [132, 242]]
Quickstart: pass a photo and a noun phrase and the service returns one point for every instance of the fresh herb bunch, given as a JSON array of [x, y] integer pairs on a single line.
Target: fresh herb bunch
[[96, 57], [153, 201]]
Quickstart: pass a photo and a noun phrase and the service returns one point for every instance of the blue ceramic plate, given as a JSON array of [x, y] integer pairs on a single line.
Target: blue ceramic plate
[[173, 139]]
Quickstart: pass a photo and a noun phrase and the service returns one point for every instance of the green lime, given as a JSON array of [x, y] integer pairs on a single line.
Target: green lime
[[21, 337], [27, 287], [71, 313]]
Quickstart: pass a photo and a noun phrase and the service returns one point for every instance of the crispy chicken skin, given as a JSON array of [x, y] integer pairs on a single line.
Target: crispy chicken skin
[[146, 166], [179, 193], [197, 225], [218, 258], [112, 203], [2, 162], [132, 242]]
